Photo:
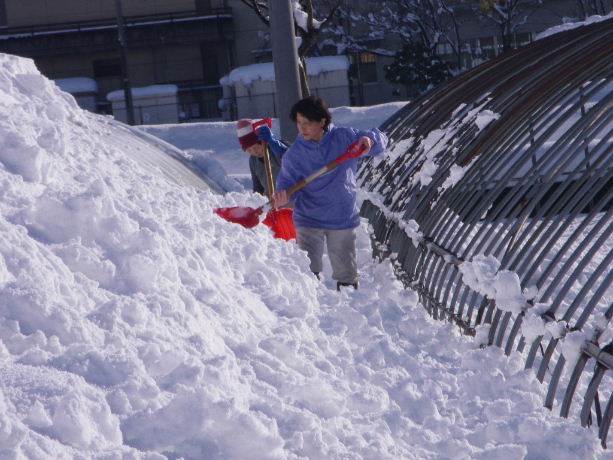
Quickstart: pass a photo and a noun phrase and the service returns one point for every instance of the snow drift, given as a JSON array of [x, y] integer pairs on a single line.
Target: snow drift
[[134, 323]]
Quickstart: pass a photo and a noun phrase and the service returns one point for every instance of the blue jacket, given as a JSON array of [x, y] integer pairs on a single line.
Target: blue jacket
[[328, 202]]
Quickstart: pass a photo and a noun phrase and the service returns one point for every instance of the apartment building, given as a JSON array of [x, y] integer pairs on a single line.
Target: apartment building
[[187, 43]]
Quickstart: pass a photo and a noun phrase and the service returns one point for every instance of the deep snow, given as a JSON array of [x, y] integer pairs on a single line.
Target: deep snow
[[134, 323]]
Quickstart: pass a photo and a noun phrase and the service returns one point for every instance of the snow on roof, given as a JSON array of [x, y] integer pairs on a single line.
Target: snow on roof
[[572, 25], [265, 71], [77, 85], [144, 91]]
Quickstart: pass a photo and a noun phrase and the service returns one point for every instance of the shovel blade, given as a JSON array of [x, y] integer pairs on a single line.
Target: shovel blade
[[281, 222], [242, 215]]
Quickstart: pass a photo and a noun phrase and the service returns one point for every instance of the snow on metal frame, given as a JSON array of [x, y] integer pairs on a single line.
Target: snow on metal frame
[[496, 201]]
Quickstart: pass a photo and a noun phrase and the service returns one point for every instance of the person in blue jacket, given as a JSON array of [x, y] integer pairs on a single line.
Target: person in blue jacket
[[325, 211], [254, 143]]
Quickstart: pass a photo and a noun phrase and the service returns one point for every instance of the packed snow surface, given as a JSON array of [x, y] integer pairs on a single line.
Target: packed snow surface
[[135, 323]]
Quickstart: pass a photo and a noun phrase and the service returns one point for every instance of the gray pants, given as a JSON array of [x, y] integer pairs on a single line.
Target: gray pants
[[341, 251]]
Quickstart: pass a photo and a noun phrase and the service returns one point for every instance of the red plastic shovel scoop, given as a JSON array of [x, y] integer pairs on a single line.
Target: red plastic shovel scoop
[[280, 220]]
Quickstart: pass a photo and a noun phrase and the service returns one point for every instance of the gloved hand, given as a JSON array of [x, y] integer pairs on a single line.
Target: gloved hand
[[277, 147], [264, 134]]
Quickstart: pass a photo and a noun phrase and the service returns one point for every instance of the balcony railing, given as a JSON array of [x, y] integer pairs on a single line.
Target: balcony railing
[[214, 14]]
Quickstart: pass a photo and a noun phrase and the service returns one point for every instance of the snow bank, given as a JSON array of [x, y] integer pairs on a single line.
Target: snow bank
[[136, 324]]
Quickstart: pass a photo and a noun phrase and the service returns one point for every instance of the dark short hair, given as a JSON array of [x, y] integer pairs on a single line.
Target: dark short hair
[[312, 108]]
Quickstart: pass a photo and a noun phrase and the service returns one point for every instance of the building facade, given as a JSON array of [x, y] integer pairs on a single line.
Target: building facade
[[187, 43]]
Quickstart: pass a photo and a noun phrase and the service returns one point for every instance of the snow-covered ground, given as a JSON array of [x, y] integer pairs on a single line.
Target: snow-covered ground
[[134, 323]]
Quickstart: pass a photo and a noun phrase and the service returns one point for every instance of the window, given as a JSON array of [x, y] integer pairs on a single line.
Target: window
[[210, 69], [203, 6], [522, 39], [2, 13], [366, 67], [107, 68], [489, 46]]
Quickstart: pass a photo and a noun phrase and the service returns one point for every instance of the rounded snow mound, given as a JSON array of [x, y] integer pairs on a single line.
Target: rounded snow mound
[[121, 291], [136, 324]]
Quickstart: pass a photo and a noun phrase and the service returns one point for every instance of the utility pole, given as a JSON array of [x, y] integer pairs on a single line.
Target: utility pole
[[125, 79], [285, 58]]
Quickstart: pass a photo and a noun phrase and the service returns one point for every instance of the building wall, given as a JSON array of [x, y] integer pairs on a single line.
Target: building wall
[[30, 12], [258, 100], [249, 33], [193, 55]]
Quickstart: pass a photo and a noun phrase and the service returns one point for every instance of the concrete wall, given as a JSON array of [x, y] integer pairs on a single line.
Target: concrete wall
[[149, 110], [248, 33]]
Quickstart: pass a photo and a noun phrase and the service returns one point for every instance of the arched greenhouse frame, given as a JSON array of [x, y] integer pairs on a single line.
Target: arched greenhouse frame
[[496, 205]]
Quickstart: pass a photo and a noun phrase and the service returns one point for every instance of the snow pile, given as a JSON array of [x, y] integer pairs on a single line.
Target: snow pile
[[436, 141], [484, 118], [456, 173], [136, 324], [410, 227], [482, 274]]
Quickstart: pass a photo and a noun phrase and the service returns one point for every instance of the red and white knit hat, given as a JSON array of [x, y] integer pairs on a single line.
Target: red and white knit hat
[[245, 130], [246, 134]]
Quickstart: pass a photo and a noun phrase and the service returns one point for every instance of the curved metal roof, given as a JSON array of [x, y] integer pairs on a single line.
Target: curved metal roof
[[514, 160]]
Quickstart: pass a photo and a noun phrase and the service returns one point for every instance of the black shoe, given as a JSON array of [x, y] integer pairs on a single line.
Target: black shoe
[[317, 275], [339, 285]]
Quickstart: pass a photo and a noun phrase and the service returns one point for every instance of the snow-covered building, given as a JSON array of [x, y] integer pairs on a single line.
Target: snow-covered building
[[249, 91]]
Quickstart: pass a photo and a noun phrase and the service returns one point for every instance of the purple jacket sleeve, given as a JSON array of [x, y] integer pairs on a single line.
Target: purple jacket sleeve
[[379, 140]]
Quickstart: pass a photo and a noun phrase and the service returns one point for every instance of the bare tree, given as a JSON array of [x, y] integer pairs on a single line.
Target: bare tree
[[591, 7], [308, 28], [428, 22], [507, 15]]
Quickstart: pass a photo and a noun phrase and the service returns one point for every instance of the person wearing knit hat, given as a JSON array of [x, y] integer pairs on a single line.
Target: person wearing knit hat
[[254, 143]]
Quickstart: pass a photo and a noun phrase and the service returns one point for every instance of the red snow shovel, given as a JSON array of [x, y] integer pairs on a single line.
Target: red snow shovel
[[280, 220]]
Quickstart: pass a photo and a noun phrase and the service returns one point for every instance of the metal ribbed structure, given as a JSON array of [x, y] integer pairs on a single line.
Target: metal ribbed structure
[[514, 160]]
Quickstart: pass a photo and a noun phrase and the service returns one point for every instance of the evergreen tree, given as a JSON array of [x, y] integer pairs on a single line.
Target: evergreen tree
[[417, 67]]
